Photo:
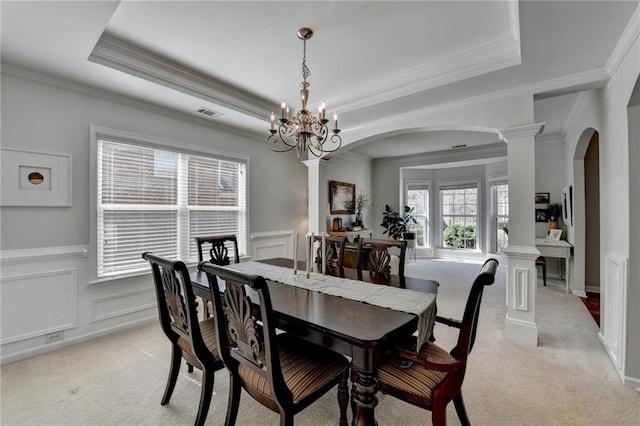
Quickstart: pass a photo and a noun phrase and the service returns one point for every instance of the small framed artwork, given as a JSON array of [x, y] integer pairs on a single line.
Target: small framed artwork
[[35, 179], [341, 197], [541, 215], [555, 234], [542, 198]]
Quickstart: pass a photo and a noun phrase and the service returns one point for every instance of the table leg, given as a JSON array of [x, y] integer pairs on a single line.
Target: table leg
[[364, 389], [566, 272]]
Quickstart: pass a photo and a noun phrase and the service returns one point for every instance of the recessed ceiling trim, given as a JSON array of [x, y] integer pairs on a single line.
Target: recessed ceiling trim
[[594, 78], [118, 54], [462, 65], [626, 40], [126, 100]]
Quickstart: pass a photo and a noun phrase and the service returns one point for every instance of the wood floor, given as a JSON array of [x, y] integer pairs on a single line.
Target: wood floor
[[592, 302]]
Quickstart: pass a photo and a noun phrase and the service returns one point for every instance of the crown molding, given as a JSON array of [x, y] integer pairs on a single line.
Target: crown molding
[[352, 156], [466, 64], [528, 130], [494, 150], [626, 40], [551, 138], [124, 100], [120, 55], [596, 77]]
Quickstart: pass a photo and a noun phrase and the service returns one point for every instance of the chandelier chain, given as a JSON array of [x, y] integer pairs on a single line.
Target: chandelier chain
[[305, 70]]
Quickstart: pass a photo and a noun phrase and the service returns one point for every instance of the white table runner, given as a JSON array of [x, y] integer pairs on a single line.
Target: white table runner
[[410, 301]]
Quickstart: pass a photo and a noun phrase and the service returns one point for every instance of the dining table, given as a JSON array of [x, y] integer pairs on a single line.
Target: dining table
[[360, 330]]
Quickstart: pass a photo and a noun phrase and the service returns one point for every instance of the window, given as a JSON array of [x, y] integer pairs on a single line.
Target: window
[[418, 198], [459, 207], [500, 197], [156, 199]]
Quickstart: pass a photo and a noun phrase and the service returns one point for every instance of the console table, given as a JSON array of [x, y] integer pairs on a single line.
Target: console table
[[559, 249], [350, 233]]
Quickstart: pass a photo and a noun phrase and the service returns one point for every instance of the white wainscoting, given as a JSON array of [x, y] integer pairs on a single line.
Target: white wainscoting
[[614, 318], [265, 245], [47, 290], [36, 304]]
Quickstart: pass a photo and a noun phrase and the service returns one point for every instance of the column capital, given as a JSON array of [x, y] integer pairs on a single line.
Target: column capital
[[316, 162], [530, 130]]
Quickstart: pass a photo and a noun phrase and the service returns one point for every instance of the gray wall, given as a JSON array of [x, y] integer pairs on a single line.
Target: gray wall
[[43, 118]]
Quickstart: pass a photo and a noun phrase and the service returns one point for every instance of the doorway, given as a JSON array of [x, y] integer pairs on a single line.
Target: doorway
[[592, 215]]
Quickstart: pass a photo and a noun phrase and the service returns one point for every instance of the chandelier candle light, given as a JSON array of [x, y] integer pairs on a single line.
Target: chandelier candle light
[[304, 131]]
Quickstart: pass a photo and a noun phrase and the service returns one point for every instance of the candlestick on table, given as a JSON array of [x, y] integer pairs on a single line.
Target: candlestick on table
[[295, 253], [309, 240], [324, 254]]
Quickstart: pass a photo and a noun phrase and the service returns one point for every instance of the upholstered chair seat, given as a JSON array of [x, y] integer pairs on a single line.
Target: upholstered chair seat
[[208, 330], [306, 369], [415, 383]]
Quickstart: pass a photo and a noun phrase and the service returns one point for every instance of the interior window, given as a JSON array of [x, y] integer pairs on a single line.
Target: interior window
[[459, 207], [151, 199]]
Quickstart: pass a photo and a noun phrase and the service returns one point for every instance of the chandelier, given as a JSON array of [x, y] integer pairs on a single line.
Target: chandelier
[[304, 131]]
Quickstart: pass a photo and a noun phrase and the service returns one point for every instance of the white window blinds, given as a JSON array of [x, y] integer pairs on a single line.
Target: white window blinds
[[157, 200]]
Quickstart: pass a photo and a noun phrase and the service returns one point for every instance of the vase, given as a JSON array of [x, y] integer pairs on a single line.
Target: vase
[[552, 225], [359, 218]]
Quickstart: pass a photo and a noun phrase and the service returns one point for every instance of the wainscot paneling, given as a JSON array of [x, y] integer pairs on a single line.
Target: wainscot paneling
[[47, 302], [51, 296], [265, 245], [116, 305]]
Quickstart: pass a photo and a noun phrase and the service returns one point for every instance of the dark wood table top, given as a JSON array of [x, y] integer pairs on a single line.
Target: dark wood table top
[[357, 329], [352, 320]]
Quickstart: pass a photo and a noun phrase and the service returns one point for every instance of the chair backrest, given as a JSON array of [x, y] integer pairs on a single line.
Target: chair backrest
[[177, 306], [374, 256], [469, 323], [241, 339], [334, 248], [219, 250]]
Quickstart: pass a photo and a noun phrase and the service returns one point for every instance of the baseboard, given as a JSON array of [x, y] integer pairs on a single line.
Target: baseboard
[[592, 289], [31, 352]]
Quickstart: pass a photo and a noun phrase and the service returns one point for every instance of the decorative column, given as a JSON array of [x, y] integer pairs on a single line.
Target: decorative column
[[520, 323], [318, 194]]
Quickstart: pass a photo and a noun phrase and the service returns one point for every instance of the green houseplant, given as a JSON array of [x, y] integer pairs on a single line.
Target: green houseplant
[[362, 202], [396, 225]]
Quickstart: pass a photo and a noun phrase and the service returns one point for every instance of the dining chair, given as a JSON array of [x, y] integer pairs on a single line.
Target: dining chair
[[375, 256], [218, 248], [334, 249], [542, 262], [281, 371], [433, 377], [191, 340]]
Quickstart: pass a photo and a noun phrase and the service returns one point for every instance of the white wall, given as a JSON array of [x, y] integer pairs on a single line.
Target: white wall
[[605, 110], [43, 118]]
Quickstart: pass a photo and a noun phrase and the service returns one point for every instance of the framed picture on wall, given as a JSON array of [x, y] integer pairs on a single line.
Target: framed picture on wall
[[35, 179], [341, 197], [542, 198], [541, 215]]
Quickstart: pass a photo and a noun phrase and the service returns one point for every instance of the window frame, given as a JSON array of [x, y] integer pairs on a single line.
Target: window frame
[[428, 208], [444, 185], [151, 142]]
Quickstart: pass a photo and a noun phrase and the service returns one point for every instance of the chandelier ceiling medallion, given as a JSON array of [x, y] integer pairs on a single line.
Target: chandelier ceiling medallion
[[304, 131]]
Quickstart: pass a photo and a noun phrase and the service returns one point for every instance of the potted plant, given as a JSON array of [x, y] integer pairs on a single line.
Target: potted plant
[[554, 213], [362, 202], [398, 226]]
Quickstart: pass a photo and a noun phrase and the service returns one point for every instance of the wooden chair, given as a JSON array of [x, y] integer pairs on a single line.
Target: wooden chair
[[218, 251], [374, 256], [542, 262], [282, 372], [217, 246], [334, 247], [192, 340], [436, 376]]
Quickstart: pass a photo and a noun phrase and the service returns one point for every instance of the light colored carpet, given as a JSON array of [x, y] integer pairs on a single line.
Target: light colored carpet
[[119, 379]]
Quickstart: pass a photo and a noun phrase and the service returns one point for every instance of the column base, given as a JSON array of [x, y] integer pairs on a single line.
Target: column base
[[519, 331]]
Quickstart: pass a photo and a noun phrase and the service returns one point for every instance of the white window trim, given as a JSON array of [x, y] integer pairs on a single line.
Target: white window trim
[[95, 132], [429, 220], [479, 214]]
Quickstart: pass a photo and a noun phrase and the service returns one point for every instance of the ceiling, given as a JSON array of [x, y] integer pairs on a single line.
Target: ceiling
[[368, 60]]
